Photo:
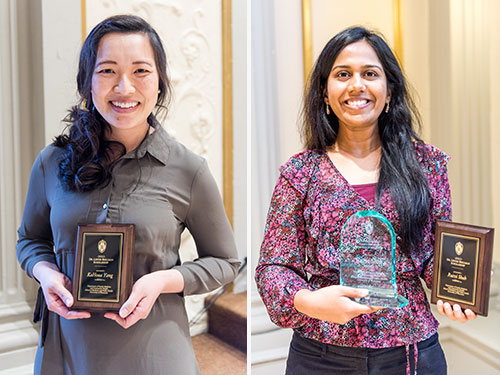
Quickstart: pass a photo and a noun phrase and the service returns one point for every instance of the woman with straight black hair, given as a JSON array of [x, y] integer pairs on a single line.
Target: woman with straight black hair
[[116, 164], [362, 154]]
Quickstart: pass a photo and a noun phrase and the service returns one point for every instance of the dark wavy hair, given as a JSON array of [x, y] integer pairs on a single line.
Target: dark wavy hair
[[89, 158], [400, 170]]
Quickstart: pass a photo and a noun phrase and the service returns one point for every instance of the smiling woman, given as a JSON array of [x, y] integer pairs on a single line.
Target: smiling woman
[[117, 165], [124, 62], [357, 87], [362, 153], [125, 84]]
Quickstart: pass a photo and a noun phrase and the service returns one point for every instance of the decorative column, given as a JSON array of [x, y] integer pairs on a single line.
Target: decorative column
[[460, 105], [464, 124], [494, 83], [18, 337], [269, 343]]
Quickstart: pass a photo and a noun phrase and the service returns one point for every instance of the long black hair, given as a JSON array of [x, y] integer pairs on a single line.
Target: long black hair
[[400, 170], [89, 158]]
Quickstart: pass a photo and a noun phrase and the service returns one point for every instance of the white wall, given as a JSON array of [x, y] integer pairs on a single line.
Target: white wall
[[288, 70], [61, 42], [416, 57], [241, 129], [332, 16]]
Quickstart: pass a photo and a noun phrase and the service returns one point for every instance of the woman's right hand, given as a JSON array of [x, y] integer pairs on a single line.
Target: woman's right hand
[[332, 303], [56, 289]]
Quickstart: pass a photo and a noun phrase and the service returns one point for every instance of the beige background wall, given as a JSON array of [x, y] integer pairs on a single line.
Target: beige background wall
[[447, 52], [494, 108]]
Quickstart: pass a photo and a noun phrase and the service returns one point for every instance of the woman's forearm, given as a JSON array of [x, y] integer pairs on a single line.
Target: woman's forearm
[[41, 268], [171, 281]]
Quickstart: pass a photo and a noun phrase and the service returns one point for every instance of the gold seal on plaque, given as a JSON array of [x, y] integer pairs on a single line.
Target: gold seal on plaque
[[459, 248], [101, 246]]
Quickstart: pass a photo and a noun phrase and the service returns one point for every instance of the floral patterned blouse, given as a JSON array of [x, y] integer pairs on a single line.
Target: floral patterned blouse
[[310, 204]]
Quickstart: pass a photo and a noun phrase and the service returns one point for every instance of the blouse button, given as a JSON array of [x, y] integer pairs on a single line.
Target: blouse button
[[104, 206]]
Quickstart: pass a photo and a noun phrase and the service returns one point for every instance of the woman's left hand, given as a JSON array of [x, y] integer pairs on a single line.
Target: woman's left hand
[[455, 313], [144, 294]]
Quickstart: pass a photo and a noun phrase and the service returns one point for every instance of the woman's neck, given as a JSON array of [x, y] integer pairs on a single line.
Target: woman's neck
[[356, 155], [131, 138], [358, 144]]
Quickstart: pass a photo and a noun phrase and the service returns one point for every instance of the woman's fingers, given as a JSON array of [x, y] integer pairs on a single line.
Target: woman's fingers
[[140, 302], [333, 303], [358, 309], [60, 307], [470, 314], [365, 309], [57, 305], [56, 290], [63, 292], [359, 293], [455, 312], [117, 318], [348, 291], [71, 314], [130, 304], [132, 318]]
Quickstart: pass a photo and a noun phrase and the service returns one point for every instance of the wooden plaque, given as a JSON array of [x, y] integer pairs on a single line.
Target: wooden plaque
[[103, 274], [462, 265]]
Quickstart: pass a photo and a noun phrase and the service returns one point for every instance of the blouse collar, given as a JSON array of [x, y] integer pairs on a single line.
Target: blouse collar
[[156, 144]]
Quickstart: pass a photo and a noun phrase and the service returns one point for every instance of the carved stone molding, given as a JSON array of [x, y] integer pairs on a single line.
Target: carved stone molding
[[191, 34]]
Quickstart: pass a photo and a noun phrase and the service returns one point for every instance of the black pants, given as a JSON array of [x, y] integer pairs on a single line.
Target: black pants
[[311, 357]]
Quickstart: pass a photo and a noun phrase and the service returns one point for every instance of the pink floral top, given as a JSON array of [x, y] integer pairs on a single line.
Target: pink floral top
[[310, 204]]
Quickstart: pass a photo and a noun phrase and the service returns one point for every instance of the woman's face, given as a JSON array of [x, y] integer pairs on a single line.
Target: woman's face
[[125, 80], [357, 87]]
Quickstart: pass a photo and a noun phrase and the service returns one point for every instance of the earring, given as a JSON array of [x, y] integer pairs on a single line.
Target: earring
[[387, 108], [327, 109]]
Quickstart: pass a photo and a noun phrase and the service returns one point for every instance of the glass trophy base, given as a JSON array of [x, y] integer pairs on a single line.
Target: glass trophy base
[[383, 300]]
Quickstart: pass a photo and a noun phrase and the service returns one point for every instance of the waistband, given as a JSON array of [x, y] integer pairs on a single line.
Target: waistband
[[359, 352]]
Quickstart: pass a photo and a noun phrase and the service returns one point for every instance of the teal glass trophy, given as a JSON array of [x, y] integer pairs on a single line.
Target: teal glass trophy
[[368, 259]]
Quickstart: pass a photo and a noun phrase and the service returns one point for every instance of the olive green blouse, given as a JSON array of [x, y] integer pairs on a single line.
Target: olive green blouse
[[162, 188]]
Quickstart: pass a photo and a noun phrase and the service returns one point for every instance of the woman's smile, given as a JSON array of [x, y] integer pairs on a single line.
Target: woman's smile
[[124, 106], [357, 86], [357, 104], [125, 81]]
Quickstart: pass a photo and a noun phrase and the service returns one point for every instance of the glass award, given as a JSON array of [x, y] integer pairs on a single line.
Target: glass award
[[368, 259]]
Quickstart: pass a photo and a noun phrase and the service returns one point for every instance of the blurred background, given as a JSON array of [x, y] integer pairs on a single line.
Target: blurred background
[[449, 50], [206, 45]]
